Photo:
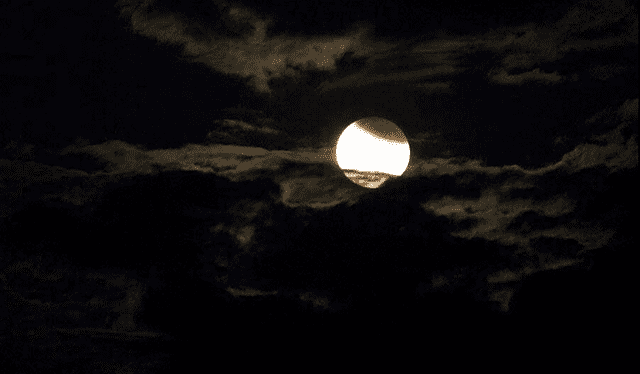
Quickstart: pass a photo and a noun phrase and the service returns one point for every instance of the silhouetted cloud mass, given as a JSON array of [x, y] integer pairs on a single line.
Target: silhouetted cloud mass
[[189, 148]]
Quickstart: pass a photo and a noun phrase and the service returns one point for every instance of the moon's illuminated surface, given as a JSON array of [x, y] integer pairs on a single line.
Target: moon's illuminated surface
[[371, 150]]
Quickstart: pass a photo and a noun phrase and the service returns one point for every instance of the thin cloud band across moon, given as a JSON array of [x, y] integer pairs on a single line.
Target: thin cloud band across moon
[[371, 150]]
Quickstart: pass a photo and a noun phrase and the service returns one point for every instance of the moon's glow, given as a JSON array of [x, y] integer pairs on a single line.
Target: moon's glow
[[373, 145]]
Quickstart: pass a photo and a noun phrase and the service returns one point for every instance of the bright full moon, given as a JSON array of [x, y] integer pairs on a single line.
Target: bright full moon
[[370, 148]]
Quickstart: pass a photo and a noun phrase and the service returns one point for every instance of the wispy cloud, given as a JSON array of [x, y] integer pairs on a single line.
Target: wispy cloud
[[262, 57], [504, 206], [535, 75], [256, 55], [233, 124]]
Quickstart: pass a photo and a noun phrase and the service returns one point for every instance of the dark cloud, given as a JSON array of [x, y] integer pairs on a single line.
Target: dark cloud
[[462, 197], [243, 134], [314, 84], [205, 166], [286, 230]]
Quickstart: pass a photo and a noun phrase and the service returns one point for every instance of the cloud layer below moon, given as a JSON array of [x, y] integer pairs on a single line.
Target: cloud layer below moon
[[574, 199]]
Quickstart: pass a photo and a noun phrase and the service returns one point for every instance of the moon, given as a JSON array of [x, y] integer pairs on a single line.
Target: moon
[[371, 150]]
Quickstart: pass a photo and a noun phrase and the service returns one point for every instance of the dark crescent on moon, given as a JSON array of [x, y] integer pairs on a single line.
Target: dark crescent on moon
[[382, 129]]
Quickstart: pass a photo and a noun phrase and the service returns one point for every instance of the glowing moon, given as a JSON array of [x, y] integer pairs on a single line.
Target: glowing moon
[[372, 149]]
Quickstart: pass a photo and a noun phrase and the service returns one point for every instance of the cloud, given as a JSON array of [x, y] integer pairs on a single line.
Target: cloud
[[233, 124], [609, 127], [521, 47], [296, 204], [535, 75], [595, 14], [241, 133], [270, 201], [614, 155], [416, 64], [407, 78], [254, 55], [607, 71], [112, 156], [18, 150], [629, 110], [529, 45]]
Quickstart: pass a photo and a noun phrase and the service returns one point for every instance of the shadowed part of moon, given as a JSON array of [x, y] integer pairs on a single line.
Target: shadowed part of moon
[[382, 129]]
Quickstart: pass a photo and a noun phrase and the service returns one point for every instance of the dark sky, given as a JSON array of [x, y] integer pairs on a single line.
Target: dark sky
[[522, 118]]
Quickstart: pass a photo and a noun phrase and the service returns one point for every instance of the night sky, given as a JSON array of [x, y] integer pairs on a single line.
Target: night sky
[[187, 146]]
